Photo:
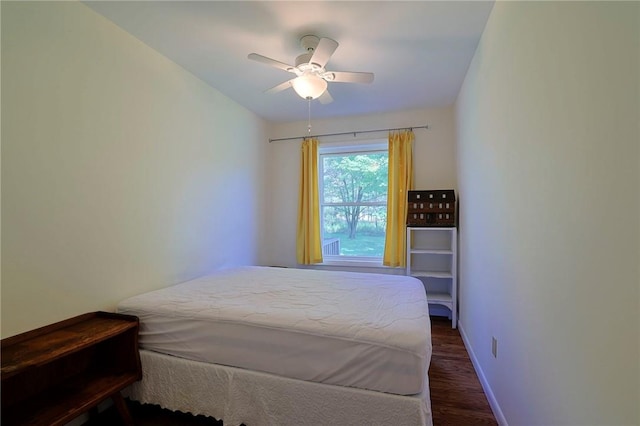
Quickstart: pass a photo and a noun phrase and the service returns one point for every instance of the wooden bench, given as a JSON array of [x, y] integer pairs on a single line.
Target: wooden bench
[[55, 373]]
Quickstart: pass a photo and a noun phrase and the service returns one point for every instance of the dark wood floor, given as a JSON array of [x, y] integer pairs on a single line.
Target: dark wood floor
[[457, 397], [456, 394]]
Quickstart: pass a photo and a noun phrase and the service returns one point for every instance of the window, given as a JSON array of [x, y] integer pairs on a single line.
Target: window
[[353, 183]]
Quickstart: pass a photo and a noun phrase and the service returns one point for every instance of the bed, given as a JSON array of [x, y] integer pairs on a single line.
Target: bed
[[282, 346]]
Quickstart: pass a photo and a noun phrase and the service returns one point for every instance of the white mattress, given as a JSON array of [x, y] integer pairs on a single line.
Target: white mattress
[[368, 331]]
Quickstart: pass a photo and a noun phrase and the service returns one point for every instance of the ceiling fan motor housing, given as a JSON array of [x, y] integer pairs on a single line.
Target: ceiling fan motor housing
[[303, 59], [303, 64]]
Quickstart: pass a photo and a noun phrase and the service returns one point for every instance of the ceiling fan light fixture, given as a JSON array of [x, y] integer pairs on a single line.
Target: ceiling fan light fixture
[[309, 86]]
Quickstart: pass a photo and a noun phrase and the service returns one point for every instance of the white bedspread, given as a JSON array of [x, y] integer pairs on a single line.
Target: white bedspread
[[238, 396], [368, 331]]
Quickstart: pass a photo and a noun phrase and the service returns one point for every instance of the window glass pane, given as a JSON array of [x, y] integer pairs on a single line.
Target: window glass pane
[[354, 230], [355, 178], [353, 200]]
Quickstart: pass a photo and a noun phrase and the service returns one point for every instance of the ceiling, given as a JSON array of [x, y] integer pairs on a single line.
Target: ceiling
[[419, 51]]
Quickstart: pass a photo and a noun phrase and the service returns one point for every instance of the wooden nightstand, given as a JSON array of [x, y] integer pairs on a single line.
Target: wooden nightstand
[[53, 374]]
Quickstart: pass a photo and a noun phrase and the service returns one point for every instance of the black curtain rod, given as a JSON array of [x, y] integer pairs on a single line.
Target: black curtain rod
[[348, 133]]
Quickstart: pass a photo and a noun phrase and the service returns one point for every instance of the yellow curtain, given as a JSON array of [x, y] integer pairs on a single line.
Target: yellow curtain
[[308, 244], [400, 181]]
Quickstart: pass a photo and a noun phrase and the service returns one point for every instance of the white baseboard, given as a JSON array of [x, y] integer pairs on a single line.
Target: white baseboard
[[495, 407]]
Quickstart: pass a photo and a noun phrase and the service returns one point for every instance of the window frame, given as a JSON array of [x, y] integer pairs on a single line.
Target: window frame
[[339, 148]]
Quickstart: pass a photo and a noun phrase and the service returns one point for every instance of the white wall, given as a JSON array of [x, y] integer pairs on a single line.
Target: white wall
[[548, 168], [434, 164], [121, 172]]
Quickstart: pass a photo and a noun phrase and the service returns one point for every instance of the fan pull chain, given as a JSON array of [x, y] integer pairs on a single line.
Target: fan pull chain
[[309, 125]]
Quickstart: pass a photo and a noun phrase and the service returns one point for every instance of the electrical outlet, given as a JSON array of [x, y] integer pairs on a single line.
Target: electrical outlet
[[494, 347]]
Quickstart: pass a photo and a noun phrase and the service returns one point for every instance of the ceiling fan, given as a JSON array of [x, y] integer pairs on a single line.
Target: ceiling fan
[[311, 76]]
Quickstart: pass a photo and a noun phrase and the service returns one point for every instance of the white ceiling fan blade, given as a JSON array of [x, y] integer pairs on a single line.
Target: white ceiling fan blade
[[271, 62], [323, 51], [351, 77], [325, 98], [280, 87]]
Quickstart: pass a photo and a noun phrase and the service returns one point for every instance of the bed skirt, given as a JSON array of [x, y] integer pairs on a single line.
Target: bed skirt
[[238, 396]]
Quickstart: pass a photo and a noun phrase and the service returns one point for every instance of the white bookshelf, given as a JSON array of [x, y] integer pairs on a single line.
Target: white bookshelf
[[432, 258]]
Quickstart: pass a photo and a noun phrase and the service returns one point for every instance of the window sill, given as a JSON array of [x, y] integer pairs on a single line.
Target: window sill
[[355, 265], [359, 263]]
